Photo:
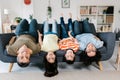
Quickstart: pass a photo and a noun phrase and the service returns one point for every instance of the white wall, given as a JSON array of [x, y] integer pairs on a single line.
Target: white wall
[[39, 8], [0, 22], [16, 8]]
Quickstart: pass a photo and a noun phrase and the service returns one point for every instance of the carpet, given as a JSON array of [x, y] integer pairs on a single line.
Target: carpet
[[64, 75]]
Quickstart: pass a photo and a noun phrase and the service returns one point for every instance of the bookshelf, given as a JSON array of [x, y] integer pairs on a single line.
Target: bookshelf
[[101, 16]]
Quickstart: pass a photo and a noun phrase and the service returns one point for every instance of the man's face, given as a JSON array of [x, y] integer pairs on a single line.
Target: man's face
[[91, 50], [24, 54], [50, 57], [69, 55]]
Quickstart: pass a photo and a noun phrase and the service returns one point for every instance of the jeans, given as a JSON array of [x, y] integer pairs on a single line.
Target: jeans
[[64, 30], [70, 26], [24, 28], [54, 29]]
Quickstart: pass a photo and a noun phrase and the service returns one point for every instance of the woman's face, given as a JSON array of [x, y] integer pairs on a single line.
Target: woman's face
[[50, 57], [91, 50]]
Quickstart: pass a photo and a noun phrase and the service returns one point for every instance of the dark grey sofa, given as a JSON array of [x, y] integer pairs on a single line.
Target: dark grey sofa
[[106, 50]]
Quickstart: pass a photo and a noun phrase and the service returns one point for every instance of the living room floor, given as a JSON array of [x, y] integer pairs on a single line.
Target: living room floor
[[108, 65]]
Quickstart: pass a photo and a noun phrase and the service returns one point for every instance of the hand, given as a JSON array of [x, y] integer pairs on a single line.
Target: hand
[[39, 34]]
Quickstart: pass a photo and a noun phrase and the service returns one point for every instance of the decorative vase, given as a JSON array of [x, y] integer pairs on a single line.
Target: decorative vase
[[27, 2]]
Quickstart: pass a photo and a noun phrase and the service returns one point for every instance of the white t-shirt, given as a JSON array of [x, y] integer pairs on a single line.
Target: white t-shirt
[[50, 43]]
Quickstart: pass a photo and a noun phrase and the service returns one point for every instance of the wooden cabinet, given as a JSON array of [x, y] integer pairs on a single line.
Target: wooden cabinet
[[6, 28], [101, 16]]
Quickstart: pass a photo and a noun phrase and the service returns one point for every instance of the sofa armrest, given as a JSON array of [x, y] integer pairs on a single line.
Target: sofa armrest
[[109, 42], [4, 40]]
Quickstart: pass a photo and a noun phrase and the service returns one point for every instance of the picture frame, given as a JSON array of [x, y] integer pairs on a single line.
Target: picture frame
[[65, 3]]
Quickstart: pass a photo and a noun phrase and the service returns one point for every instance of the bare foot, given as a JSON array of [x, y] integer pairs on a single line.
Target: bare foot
[[61, 14], [78, 19], [70, 14]]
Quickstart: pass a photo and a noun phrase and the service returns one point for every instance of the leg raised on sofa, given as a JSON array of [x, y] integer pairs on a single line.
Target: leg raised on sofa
[[10, 67]]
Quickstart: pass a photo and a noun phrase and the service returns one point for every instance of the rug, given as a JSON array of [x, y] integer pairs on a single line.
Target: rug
[[63, 75]]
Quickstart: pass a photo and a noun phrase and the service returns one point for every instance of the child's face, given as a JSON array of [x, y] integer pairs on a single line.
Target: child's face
[[50, 57], [91, 50], [69, 55]]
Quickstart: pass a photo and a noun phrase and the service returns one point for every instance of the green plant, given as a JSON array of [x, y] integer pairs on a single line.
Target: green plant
[[49, 10], [18, 19], [30, 16]]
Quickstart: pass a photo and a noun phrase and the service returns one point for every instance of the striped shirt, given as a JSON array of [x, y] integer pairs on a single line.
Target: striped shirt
[[67, 43]]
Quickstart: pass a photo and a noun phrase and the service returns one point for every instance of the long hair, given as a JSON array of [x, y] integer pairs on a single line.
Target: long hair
[[50, 68], [88, 60]]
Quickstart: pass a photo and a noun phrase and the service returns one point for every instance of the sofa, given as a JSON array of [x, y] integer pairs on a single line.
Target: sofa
[[106, 50]]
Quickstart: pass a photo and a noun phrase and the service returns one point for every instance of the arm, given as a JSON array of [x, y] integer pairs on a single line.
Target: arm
[[12, 40], [69, 34], [72, 38], [40, 38], [11, 50]]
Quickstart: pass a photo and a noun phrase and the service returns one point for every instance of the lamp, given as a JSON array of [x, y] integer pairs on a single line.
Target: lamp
[[6, 11]]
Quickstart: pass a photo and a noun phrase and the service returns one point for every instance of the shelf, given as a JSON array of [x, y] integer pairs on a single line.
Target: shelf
[[98, 15], [88, 14], [104, 24]]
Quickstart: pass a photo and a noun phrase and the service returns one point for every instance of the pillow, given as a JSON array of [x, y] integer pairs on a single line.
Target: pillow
[[77, 27], [87, 28]]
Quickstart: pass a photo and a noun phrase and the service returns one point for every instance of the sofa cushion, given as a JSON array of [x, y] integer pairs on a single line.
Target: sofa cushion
[[77, 27], [93, 29], [87, 28]]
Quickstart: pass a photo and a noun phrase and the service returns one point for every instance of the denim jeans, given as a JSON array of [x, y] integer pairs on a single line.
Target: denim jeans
[[70, 26], [24, 28], [64, 30], [54, 29]]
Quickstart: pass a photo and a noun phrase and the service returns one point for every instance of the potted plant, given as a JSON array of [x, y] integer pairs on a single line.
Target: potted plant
[[49, 10], [18, 19]]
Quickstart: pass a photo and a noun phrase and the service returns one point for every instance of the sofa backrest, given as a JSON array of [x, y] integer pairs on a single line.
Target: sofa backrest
[[78, 29]]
